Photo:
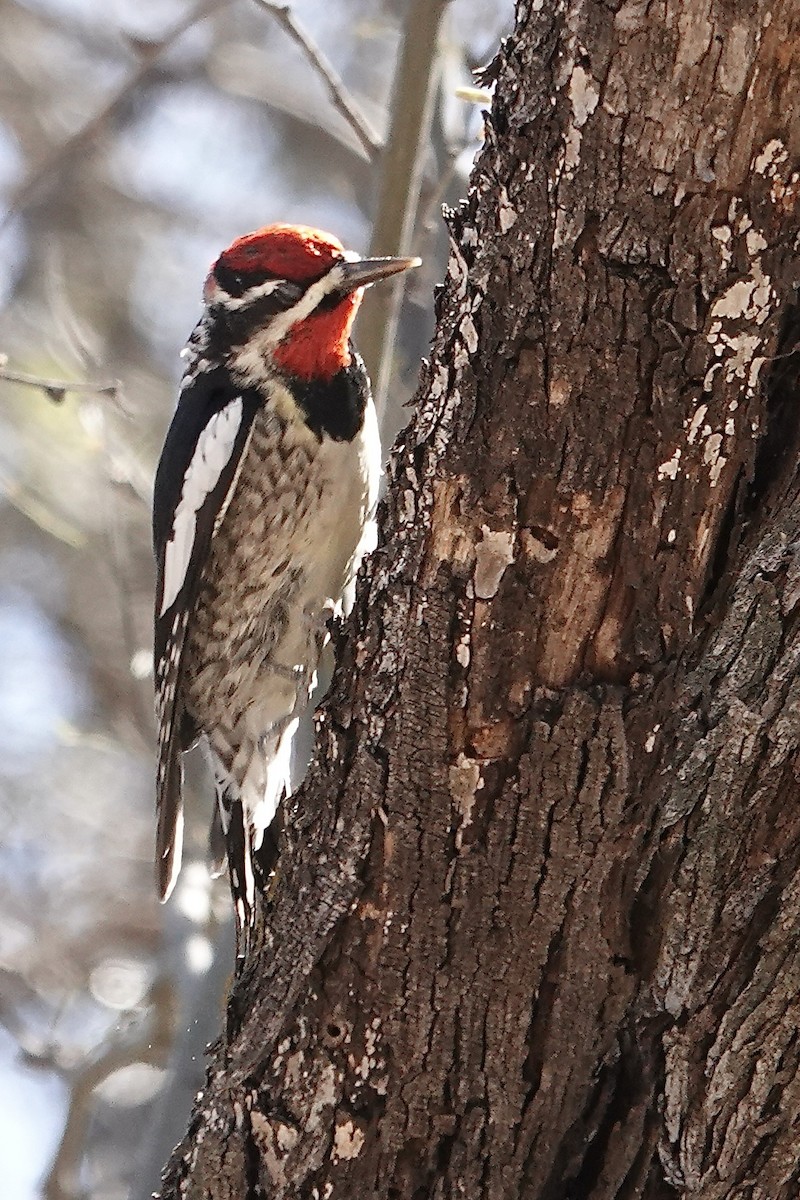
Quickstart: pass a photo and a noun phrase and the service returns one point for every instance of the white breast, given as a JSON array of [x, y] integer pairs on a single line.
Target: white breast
[[283, 557], [334, 539]]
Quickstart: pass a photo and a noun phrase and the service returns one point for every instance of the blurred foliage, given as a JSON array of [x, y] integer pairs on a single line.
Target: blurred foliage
[[130, 153]]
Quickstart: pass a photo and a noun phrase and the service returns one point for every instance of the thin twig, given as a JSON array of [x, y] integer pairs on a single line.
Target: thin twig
[[56, 389], [151, 1047], [430, 207], [36, 510], [336, 90], [61, 155]]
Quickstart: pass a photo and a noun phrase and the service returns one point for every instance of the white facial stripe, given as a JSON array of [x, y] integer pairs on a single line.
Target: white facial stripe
[[252, 294], [280, 325], [212, 453]]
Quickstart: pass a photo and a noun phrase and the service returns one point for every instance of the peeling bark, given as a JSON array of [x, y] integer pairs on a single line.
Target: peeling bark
[[534, 930]]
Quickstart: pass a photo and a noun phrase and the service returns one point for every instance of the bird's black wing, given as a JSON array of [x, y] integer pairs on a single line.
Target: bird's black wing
[[194, 482]]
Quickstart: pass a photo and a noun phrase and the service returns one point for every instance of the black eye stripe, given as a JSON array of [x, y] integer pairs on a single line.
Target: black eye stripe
[[330, 300], [287, 294], [235, 283]]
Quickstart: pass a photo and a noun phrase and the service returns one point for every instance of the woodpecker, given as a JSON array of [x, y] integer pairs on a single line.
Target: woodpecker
[[263, 509]]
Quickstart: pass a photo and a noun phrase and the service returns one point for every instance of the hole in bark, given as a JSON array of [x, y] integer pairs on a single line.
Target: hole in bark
[[545, 536], [335, 1033]]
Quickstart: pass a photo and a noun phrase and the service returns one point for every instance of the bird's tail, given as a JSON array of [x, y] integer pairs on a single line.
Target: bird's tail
[[231, 838], [240, 870], [246, 814]]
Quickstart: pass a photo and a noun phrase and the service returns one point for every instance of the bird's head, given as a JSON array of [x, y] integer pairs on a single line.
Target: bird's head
[[293, 292]]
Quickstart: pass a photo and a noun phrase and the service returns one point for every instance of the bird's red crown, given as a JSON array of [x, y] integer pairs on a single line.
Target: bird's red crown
[[294, 252]]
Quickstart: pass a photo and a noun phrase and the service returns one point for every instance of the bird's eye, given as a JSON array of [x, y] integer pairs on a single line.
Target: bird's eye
[[233, 282], [287, 294]]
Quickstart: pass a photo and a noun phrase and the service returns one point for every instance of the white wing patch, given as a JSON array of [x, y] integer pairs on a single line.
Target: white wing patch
[[212, 453]]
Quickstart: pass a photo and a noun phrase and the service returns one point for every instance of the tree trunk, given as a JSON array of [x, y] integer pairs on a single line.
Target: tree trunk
[[534, 929]]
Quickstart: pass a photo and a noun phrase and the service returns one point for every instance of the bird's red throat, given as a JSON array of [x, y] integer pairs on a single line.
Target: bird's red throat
[[318, 346]]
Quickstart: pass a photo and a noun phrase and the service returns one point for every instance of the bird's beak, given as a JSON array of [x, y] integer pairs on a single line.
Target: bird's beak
[[365, 271]]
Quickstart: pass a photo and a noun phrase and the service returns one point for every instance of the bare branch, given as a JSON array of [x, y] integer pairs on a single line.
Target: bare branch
[[359, 124], [151, 1046], [56, 389], [37, 511], [61, 155], [400, 181]]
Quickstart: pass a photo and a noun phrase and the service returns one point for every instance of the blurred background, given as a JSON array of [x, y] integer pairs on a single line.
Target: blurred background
[[137, 139]]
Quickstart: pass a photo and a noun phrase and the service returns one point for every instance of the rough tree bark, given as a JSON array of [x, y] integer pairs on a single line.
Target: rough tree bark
[[535, 928]]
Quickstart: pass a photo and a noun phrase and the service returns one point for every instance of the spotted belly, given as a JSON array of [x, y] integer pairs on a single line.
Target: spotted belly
[[278, 564]]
